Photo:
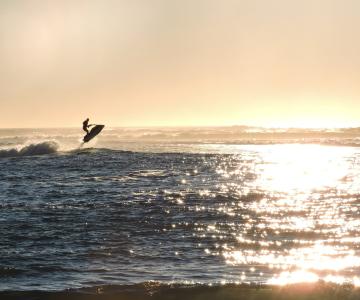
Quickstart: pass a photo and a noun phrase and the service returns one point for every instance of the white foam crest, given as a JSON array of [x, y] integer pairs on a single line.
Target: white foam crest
[[40, 148]]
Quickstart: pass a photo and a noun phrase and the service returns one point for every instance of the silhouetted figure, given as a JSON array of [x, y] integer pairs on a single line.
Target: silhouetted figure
[[86, 125]]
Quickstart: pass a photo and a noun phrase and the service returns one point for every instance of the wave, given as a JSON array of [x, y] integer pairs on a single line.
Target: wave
[[159, 291], [48, 147]]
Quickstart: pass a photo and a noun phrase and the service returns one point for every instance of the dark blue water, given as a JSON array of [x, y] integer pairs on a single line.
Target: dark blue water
[[99, 216], [96, 216]]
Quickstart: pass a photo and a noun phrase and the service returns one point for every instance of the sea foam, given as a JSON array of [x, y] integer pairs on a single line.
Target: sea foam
[[41, 148]]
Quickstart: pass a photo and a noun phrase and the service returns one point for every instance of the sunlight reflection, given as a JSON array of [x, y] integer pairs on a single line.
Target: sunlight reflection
[[304, 226], [285, 278], [300, 168]]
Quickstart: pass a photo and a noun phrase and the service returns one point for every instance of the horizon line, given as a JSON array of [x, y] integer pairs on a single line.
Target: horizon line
[[188, 126]]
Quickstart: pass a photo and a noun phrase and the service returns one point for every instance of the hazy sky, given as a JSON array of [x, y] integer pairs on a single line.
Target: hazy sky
[[180, 62]]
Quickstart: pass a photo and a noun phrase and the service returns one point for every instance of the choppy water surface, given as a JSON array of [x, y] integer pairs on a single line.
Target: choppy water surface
[[205, 213]]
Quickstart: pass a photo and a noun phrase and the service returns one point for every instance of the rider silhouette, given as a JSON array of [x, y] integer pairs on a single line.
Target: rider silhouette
[[86, 125]]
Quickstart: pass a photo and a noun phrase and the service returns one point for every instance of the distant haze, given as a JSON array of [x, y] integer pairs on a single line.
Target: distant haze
[[180, 62]]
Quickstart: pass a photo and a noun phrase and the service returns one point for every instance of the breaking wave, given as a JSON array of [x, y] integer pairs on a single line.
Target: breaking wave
[[42, 148]]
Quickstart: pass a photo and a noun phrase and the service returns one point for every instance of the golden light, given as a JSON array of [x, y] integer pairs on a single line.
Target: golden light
[[299, 167], [292, 179], [294, 277]]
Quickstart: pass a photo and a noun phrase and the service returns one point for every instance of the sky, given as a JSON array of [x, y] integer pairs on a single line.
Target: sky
[[180, 63]]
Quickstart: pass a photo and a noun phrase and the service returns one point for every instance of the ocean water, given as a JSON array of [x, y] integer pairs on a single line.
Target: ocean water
[[183, 206]]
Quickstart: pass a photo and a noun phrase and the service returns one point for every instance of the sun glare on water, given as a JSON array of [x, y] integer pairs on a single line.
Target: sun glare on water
[[304, 228], [301, 168]]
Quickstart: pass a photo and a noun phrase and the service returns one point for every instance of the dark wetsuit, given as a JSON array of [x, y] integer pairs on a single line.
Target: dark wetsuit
[[85, 126]]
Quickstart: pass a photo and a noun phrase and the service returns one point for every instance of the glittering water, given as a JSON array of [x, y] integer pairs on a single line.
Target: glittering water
[[175, 212]]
